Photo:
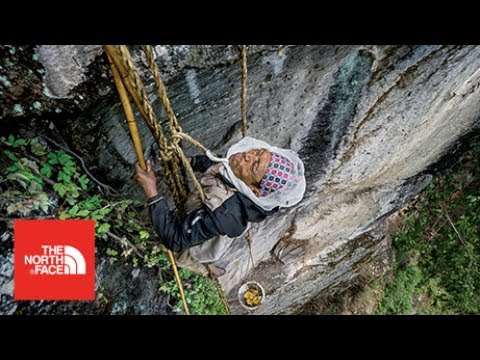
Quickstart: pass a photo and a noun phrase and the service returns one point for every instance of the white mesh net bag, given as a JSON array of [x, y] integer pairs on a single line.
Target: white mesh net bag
[[288, 194]]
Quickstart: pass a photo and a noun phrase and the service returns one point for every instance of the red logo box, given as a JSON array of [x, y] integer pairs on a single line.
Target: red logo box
[[54, 259]]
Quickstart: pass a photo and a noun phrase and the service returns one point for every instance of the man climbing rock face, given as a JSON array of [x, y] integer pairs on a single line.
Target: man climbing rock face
[[252, 182]]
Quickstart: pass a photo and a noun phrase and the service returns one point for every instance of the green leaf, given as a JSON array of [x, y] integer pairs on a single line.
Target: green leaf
[[69, 169], [69, 164], [102, 229], [19, 143], [12, 157], [63, 158], [37, 148], [83, 180], [11, 140], [63, 177], [96, 215], [39, 180], [112, 252], [74, 192], [144, 234], [12, 169], [91, 203], [46, 170], [64, 215], [60, 189], [53, 158], [83, 213], [73, 210]]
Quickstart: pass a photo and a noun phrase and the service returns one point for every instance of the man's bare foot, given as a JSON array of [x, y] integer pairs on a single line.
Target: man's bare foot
[[217, 271]]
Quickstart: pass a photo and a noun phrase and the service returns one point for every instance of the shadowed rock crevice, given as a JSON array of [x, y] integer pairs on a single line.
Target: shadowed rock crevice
[[333, 120]]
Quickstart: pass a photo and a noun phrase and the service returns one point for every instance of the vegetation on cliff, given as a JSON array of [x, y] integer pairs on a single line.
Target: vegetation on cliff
[[40, 181]]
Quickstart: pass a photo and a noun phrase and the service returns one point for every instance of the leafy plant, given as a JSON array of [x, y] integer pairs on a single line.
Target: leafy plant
[[200, 294], [37, 180], [438, 249]]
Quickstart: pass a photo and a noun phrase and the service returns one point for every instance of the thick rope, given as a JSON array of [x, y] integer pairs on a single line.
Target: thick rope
[[244, 91], [218, 286], [162, 91], [248, 236], [138, 150], [176, 131], [174, 145], [176, 135]]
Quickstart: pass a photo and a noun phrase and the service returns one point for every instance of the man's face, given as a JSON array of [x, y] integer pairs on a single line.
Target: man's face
[[250, 167]]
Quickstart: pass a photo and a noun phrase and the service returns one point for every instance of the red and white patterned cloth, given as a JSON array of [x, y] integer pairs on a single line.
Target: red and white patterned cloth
[[278, 175]]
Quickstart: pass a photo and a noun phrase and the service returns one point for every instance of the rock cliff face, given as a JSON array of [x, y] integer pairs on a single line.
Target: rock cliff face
[[369, 122]]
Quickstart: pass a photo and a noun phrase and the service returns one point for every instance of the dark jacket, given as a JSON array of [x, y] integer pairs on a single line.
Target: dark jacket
[[225, 213]]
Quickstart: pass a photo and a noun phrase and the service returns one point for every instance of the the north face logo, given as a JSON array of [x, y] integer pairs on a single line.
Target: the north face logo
[[54, 260], [57, 260]]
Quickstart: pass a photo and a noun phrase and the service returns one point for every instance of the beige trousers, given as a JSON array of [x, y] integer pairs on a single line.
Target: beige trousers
[[185, 260]]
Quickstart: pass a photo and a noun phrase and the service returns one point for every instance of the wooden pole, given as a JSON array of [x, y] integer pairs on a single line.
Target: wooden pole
[[127, 108]]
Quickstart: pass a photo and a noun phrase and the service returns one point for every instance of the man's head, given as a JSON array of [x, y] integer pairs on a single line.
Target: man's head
[[270, 176], [250, 167], [263, 171]]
